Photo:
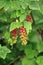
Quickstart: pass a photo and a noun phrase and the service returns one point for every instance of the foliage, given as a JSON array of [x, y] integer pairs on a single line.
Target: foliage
[[21, 32]]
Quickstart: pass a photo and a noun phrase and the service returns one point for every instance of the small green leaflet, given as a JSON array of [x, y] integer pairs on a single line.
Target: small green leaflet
[[39, 60], [28, 26], [34, 5], [22, 17], [2, 3], [40, 47], [30, 53], [7, 35], [41, 6], [4, 51], [26, 61], [15, 25], [35, 37], [38, 17]]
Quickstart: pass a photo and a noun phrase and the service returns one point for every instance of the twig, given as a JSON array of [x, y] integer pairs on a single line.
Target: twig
[[15, 60]]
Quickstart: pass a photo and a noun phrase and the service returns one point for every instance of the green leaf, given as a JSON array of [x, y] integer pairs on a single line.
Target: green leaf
[[12, 5], [23, 5], [30, 53], [3, 17], [22, 10], [4, 51], [34, 5], [26, 61], [22, 17], [7, 35], [11, 56], [3, 28], [40, 47], [18, 13], [39, 60], [2, 3], [28, 26], [41, 6], [15, 25], [16, 5], [38, 26], [13, 14], [38, 17], [7, 5], [35, 37]]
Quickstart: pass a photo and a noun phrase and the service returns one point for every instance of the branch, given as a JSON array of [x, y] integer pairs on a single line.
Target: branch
[[15, 59]]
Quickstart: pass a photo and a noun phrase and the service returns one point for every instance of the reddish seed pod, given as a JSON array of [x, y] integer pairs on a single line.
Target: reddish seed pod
[[23, 35], [28, 18], [14, 33], [22, 31]]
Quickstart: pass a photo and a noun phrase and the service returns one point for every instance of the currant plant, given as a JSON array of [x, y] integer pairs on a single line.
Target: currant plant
[[21, 32]]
